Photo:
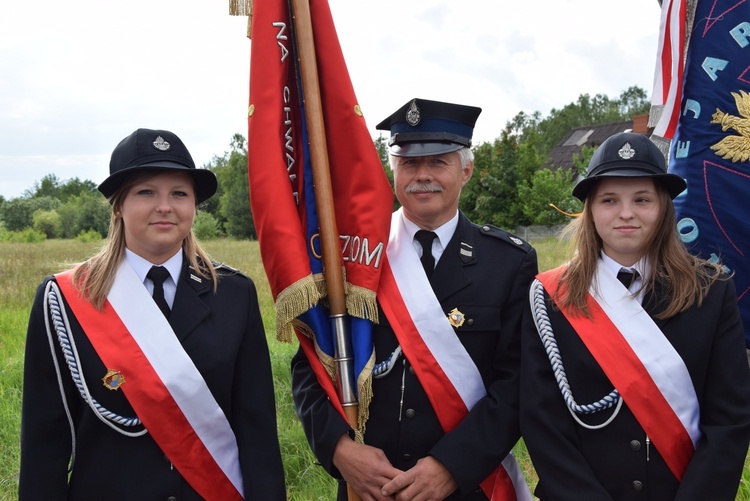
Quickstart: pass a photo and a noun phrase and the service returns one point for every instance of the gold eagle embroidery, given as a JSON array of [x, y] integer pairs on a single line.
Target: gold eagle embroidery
[[734, 148]]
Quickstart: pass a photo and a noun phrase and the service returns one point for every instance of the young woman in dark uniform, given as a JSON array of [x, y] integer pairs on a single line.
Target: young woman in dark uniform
[[147, 373], [634, 386]]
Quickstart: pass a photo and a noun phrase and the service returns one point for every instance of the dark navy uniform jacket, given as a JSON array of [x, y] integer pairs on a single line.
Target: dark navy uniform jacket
[[490, 287], [223, 335], [615, 462]]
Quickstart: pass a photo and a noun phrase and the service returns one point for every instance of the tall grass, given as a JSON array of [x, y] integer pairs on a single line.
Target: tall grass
[[22, 267]]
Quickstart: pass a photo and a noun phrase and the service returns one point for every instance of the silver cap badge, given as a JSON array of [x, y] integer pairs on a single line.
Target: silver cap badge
[[160, 144], [626, 152], [413, 115]]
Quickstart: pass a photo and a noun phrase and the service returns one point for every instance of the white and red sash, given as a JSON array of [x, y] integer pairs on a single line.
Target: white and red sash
[[447, 373], [640, 362], [162, 384]]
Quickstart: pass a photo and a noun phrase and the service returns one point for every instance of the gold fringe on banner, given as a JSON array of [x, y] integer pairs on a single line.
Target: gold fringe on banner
[[243, 8], [328, 362], [240, 7], [320, 283], [364, 386], [292, 302], [364, 380], [361, 303]]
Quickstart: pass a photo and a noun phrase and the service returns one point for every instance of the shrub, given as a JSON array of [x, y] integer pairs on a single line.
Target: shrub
[[205, 226], [89, 236], [47, 222], [27, 235]]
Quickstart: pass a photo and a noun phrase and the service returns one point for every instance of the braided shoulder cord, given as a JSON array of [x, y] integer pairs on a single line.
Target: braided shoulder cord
[[61, 327], [544, 328], [59, 379], [384, 367]]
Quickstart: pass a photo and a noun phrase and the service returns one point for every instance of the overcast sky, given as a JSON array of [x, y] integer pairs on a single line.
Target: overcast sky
[[77, 77]]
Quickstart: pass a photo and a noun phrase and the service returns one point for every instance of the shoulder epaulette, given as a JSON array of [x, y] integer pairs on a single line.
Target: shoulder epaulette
[[494, 231], [225, 269]]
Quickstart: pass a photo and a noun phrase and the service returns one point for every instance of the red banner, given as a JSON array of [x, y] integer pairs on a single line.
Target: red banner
[[280, 188]]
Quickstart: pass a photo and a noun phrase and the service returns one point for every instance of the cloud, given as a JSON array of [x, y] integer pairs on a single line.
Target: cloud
[[77, 77]]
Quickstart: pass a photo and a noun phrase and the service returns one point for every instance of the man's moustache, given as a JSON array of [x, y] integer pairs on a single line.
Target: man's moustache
[[423, 187]]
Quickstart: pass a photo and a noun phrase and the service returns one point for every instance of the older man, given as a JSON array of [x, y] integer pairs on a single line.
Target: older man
[[444, 411]]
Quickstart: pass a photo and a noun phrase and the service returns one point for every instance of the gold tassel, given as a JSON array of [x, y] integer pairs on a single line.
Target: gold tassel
[[569, 214]]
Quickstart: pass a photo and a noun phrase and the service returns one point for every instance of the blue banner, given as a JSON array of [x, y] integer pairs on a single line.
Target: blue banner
[[711, 146]]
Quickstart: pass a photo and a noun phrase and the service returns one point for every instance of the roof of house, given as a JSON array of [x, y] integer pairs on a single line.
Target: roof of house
[[562, 156]]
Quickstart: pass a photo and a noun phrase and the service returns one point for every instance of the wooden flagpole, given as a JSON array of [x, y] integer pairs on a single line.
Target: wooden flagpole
[[329, 235]]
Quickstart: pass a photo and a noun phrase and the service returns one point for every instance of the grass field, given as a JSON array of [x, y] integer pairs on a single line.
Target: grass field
[[22, 267]]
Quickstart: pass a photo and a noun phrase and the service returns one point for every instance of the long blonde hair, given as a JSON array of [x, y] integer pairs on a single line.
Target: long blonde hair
[[683, 278], [94, 277]]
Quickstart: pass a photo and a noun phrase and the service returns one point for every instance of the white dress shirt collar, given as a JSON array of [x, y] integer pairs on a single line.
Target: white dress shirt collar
[[444, 234], [141, 267], [641, 266]]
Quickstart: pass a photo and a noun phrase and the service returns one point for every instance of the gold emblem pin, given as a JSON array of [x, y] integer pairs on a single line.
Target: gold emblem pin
[[456, 318], [113, 380]]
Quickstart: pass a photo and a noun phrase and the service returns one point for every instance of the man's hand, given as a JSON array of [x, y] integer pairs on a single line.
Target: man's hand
[[365, 468], [428, 480]]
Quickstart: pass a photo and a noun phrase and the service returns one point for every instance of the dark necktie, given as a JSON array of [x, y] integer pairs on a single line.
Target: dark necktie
[[158, 274], [425, 239], [627, 277]]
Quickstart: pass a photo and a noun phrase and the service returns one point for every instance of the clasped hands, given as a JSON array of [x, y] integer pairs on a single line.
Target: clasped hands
[[371, 475]]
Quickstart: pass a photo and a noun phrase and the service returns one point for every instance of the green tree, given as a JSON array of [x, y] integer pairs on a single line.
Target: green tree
[[581, 162], [205, 226], [234, 201], [84, 212], [211, 206], [51, 186], [76, 187], [47, 222], [381, 145], [17, 213], [499, 169], [505, 170], [481, 198], [545, 188], [586, 110], [633, 101]]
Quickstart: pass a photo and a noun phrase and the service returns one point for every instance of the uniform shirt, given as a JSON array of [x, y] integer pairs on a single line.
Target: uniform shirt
[[491, 298], [444, 235], [641, 267], [142, 266]]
